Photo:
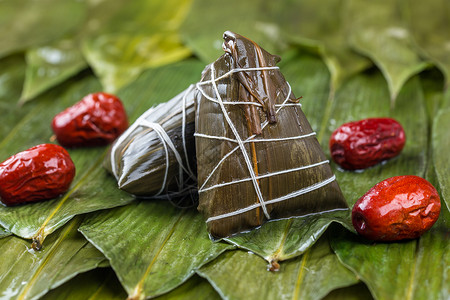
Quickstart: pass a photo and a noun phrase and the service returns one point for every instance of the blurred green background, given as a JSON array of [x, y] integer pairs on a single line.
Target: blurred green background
[[349, 59]]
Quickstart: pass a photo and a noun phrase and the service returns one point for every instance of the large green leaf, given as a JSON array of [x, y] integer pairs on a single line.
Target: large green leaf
[[28, 23], [50, 65], [323, 26], [430, 27], [4, 232], [378, 32], [152, 246], [40, 219], [142, 34], [12, 74], [313, 275], [285, 239], [26, 274], [207, 21], [441, 144], [100, 283]]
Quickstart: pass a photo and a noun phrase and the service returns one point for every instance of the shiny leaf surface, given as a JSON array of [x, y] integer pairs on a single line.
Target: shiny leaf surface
[[378, 33], [26, 274], [149, 38], [146, 239], [300, 278], [441, 142], [50, 65]]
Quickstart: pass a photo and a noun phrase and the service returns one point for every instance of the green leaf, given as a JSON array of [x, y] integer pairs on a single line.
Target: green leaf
[[429, 25], [355, 292], [47, 66], [142, 34], [207, 21], [323, 26], [441, 144], [4, 232], [12, 74], [195, 288], [286, 239], [28, 23], [310, 276], [26, 274], [377, 32], [365, 96], [100, 283], [147, 239]]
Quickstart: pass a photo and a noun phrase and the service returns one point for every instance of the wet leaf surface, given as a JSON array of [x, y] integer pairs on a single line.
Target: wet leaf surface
[[146, 239]]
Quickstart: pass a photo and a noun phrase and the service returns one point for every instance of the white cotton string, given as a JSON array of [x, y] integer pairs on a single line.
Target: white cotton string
[[241, 145], [215, 137], [242, 102], [265, 176], [123, 137], [249, 138], [167, 160], [165, 138], [280, 199], [235, 71]]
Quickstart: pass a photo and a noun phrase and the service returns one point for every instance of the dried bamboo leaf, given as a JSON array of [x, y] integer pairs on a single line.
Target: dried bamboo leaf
[[254, 153]]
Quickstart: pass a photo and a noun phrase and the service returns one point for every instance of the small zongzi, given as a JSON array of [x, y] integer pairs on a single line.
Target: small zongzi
[[156, 155], [257, 156]]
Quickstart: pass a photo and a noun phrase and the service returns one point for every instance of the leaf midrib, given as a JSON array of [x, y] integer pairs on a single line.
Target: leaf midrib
[[137, 294]]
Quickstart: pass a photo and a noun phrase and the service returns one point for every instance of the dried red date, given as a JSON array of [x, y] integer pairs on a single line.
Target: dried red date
[[365, 143], [401, 207], [41, 172], [98, 119]]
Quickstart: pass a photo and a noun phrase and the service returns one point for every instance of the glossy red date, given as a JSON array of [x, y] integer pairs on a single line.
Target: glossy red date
[[401, 207], [365, 143], [98, 119], [39, 173]]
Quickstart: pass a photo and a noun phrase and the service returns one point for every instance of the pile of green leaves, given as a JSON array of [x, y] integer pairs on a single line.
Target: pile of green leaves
[[349, 59]]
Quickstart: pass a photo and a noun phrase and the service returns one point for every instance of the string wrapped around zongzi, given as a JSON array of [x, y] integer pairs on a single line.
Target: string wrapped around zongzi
[[257, 155], [156, 155]]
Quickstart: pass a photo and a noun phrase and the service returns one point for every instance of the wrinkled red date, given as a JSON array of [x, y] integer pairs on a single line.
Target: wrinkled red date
[[365, 143], [98, 119], [39, 173], [401, 207]]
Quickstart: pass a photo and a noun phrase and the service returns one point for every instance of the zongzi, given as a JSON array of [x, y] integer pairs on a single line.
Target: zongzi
[[257, 156], [156, 155]]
